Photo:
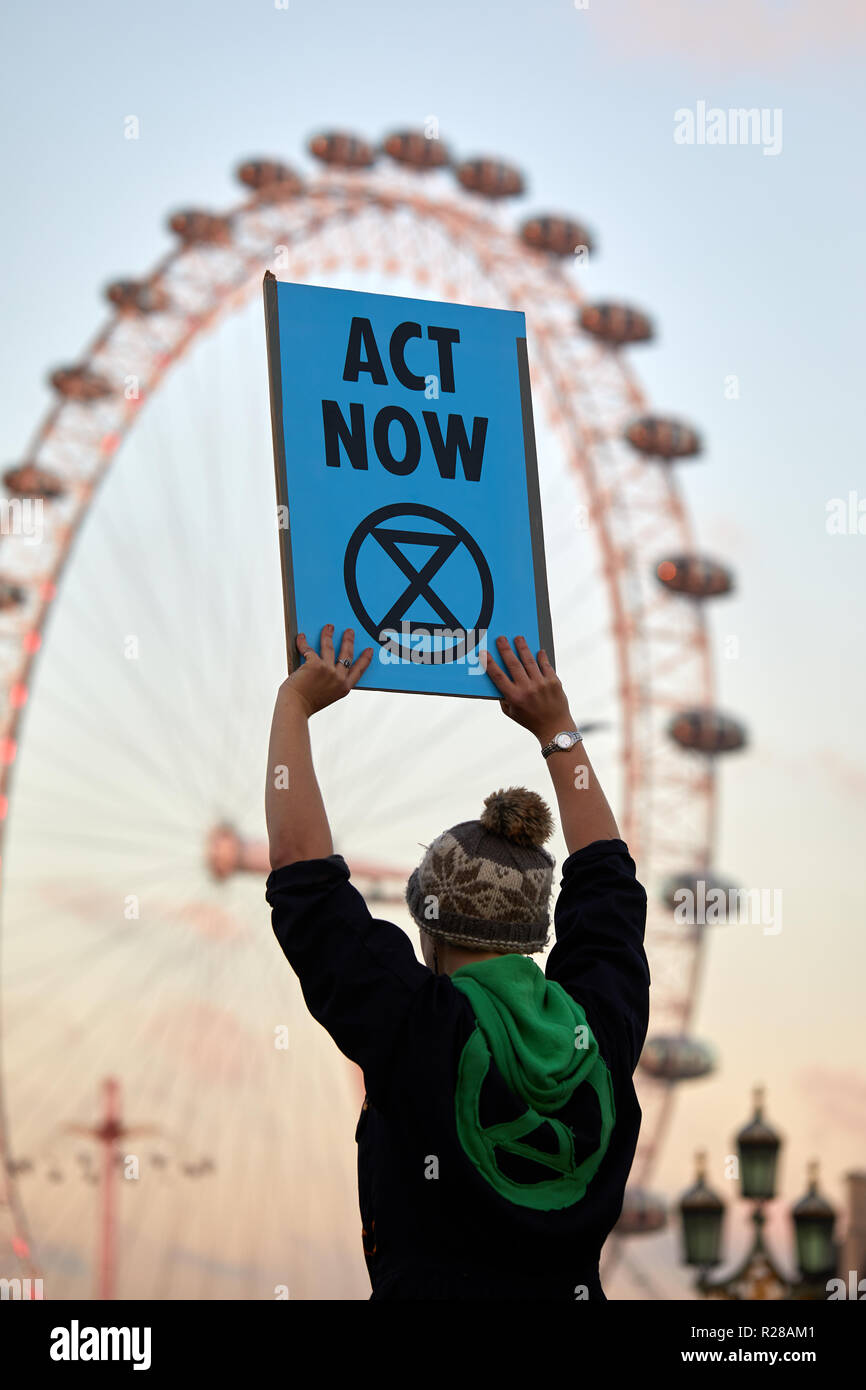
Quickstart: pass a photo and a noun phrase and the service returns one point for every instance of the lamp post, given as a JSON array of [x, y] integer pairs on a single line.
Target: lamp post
[[758, 1276]]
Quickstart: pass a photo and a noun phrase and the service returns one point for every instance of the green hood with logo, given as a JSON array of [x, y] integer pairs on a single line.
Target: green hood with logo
[[540, 1041]]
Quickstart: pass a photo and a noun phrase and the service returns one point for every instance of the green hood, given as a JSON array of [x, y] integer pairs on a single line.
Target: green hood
[[540, 1041]]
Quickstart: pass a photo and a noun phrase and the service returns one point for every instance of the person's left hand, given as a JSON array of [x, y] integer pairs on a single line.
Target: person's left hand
[[324, 679]]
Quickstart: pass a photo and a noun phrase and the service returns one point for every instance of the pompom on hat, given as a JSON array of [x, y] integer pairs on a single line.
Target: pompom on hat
[[486, 883]]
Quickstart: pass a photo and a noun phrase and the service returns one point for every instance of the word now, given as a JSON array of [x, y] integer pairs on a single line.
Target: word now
[[402, 456]]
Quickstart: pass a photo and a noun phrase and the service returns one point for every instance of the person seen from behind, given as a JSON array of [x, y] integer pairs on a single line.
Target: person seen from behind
[[500, 1120]]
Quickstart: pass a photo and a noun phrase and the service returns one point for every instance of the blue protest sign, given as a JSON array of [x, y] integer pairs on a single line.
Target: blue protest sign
[[407, 481]]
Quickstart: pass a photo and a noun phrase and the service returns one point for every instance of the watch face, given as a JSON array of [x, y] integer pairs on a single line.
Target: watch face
[[563, 740]]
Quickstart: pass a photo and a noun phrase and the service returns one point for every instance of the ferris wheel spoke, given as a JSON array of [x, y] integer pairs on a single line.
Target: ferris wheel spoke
[[130, 781], [173, 1088], [162, 823], [56, 760], [39, 924], [210, 591], [244, 624], [122, 844], [168, 738], [190, 753], [161, 970], [195, 1127]]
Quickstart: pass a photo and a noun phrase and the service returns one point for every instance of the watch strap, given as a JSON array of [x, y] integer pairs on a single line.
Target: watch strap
[[554, 747]]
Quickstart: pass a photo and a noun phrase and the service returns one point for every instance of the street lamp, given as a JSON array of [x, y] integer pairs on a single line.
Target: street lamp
[[814, 1220], [758, 1149], [758, 1276], [702, 1213]]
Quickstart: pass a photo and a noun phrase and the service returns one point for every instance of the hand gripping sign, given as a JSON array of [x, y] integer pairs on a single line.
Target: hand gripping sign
[[407, 481]]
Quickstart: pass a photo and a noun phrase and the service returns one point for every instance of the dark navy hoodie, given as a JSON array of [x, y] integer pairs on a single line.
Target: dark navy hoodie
[[433, 1224]]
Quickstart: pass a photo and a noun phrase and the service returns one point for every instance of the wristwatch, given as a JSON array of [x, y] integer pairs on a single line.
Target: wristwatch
[[562, 741]]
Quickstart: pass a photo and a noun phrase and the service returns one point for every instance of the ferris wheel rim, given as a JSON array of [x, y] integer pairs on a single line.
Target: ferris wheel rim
[[229, 297]]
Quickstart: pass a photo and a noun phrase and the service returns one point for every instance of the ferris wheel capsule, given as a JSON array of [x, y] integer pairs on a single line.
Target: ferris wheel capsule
[[707, 731], [616, 324], [695, 576], [11, 595], [272, 181], [559, 236], [341, 150], [642, 1213], [80, 384], [659, 437], [413, 148], [677, 1058], [197, 228], [492, 178], [688, 886], [223, 851], [31, 480], [138, 297]]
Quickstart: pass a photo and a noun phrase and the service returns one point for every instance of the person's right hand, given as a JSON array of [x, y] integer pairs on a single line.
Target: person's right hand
[[531, 693]]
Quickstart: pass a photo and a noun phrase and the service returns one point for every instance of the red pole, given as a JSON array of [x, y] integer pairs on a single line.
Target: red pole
[[107, 1135]]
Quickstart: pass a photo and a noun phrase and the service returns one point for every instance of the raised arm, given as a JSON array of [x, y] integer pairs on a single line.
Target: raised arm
[[532, 695], [359, 975], [600, 914], [295, 813]]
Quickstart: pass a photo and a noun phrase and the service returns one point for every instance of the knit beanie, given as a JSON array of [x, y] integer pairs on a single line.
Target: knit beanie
[[486, 883]]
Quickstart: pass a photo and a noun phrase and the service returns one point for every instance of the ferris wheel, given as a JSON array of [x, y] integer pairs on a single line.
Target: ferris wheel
[[141, 586]]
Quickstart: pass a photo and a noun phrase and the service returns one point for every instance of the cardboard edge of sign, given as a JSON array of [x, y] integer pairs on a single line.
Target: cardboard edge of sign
[[536, 532], [275, 380]]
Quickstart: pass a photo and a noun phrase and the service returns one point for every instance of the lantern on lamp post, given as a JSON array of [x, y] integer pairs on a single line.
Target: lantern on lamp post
[[814, 1221], [758, 1147], [702, 1215]]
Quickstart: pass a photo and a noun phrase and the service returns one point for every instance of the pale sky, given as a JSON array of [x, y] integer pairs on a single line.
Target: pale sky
[[751, 266]]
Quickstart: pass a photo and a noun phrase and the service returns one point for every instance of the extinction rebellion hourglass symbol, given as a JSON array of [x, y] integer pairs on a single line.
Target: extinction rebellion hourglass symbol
[[456, 635]]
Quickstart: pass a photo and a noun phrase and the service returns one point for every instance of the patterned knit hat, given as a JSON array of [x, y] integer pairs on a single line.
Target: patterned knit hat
[[486, 883]]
